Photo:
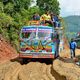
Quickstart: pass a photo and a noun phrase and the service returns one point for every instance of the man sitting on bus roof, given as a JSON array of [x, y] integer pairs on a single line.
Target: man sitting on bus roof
[[36, 17], [46, 18]]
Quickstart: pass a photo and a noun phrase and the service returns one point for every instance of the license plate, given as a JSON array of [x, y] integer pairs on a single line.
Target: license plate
[[35, 55]]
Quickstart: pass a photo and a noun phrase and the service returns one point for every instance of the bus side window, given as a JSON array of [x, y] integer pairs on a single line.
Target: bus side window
[[23, 35], [27, 34]]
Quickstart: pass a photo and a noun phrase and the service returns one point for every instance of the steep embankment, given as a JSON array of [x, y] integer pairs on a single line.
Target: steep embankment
[[6, 51]]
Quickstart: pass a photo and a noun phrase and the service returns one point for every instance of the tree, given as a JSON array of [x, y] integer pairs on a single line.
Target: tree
[[1, 7], [5, 20], [32, 10], [9, 8], [49, 5], [19, 3]]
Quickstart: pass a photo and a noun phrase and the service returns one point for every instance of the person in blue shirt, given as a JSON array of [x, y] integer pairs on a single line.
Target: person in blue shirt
[[55, 20], [73, 46], [36, 16]]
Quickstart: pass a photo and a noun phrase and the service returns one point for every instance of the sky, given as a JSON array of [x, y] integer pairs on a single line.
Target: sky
[[69, 7]]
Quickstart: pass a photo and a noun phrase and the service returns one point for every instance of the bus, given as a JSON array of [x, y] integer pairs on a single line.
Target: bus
[[38, 41]]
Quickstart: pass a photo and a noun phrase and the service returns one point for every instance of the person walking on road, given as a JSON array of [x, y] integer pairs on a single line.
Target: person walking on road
[[73, 46]]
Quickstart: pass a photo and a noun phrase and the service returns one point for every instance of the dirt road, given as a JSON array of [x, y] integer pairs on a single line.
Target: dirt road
[[60, 69], [30, 71]]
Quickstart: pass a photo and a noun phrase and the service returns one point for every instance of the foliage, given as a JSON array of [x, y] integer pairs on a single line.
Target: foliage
[[72, 26], [5, 20], [9, 8], [1, 7], [33, 10], [48, 5]]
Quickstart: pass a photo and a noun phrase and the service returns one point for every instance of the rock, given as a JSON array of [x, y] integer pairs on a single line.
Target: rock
[[70, 70]]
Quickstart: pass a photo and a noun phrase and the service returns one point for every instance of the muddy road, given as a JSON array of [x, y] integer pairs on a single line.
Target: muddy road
[[33, 70], [59, 69]]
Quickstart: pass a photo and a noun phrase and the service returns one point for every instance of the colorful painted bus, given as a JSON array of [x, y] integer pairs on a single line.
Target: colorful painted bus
[[38, 42]]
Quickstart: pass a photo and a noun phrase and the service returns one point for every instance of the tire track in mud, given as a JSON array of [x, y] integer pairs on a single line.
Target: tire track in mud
[[34, 71], [31, 71], [9, 70], [3, 69], [13, 71]]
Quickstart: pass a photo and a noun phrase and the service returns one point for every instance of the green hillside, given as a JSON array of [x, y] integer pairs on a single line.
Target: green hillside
[[72, 25]]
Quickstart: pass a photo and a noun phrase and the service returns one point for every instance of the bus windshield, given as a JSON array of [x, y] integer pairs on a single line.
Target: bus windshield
[[38, 32]]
